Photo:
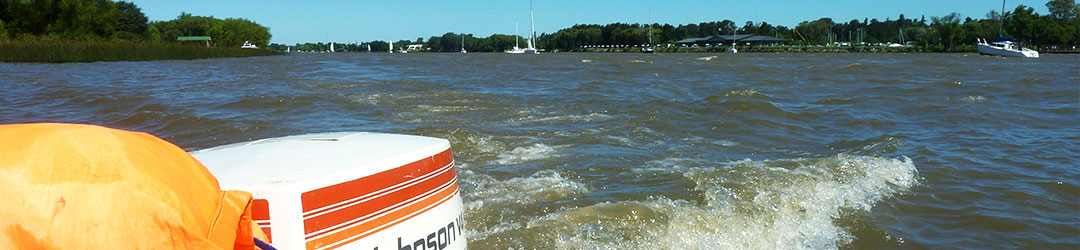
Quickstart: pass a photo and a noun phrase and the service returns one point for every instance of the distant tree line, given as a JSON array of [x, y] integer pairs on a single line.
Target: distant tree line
[[449, 42], [637, 34], [112, 20], [1060, 27]]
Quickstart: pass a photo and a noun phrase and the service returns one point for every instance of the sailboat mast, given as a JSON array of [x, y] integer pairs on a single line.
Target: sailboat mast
[[901, 35], [517, 35], [532, 22], [650, 28], [1001, 20]]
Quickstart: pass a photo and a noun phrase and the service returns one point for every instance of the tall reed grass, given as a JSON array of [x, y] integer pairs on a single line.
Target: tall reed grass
[[60, 51]]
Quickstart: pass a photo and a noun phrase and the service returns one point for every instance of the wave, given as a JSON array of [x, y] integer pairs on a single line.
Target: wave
[[785, 204], [873, 146], [835, 101], [564, 118], [272, 102], [742, 92], [484, 192], [524, 154], [975, 99]]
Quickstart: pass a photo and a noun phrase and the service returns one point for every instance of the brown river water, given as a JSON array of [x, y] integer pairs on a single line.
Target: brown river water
[[665, 151]]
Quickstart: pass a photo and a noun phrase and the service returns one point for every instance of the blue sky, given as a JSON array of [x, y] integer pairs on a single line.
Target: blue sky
[[353, 21]]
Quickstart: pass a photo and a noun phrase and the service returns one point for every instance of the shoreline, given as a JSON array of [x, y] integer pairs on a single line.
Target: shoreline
[[637, 51], [786, 49], [760, 49], [61, 51]]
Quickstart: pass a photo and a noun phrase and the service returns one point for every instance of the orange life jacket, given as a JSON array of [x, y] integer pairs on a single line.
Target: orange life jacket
[[67, 186]]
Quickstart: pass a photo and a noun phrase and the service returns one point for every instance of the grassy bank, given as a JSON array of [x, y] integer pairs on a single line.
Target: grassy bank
[[56, 51]]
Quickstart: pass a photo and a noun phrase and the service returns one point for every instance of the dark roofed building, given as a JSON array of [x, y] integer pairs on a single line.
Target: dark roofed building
[[692, 40], [764, 39], [728, 38]]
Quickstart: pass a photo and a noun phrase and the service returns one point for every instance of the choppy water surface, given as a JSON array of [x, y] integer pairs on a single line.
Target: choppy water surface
[[668, 151]]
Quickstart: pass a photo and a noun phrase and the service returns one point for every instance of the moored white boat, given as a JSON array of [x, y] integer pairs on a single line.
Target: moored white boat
[[516, 49], [531, 48], [1004, 48], [352, 190], [248, 45]]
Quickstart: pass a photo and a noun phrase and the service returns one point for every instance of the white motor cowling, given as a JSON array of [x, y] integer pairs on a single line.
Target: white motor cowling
[[349, 190]]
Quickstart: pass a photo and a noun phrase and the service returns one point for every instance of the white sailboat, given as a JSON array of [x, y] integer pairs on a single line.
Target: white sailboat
[[463, 45], [733, 41], [391, 51], [1004, 47], [531, 49], [369, 48], [516, 49], [650, 48], [331, 47]]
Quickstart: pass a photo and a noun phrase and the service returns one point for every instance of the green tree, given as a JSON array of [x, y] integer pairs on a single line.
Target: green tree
[[1021, 23], [816, 30], [233, 32], [1065, 23], [132, 22], [1063, 9], [947, 29], [3, 31], [153, 34], [104, 19], [230, 32]]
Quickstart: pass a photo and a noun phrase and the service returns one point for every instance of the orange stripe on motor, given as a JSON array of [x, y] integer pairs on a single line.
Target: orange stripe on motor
[[269, 239], [370, 207], [386, 221], [260, 210], [330, 195]]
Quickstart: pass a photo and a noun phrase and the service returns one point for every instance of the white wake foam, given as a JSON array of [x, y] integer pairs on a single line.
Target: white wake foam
[[787, 204], [524, 154]]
